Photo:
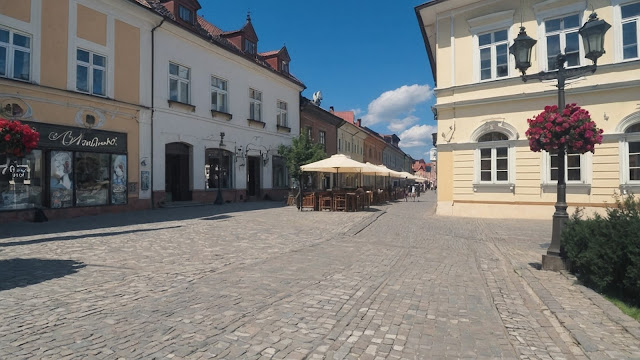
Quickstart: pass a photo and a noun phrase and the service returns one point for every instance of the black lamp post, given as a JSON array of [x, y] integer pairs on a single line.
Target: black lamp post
[[592, 33], [219, 200]]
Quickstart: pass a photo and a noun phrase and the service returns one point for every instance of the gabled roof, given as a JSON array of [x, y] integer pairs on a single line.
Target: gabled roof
[[247, 30], [282, 53], [214, 35]]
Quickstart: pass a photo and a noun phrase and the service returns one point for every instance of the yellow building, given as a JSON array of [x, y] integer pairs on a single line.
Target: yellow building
[[485, 167], [75, 70]]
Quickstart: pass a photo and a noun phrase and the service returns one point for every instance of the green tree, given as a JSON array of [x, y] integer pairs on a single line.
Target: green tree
[[302, 151]]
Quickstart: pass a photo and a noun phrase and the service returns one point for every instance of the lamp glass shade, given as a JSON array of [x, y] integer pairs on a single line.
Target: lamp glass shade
[[592, 33], [521, 50]]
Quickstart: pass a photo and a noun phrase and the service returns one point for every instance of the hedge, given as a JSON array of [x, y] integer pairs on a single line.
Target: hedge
[[604, 252]]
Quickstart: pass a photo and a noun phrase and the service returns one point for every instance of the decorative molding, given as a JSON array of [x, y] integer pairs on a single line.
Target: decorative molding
[[181, 105], [494, 188], [627, 121], [491, 22], [495, 125], [256, 123], [222, 114], [283, 128]]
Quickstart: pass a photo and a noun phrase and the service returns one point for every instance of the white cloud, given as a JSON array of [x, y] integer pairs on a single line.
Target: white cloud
[[357, 112], [400, 125], [418, 135], [396, 104]]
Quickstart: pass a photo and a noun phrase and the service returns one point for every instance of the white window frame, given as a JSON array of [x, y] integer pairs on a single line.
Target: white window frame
[[90, 67], [562, 35], [322, 138], [626, 184], [493, 145], [282, 118], [549, 10], [586, 160], [179, 81], [490, 23], [255, 100], [617, 29], [284, 66], [220, 93], [494, 55], [10, 49]]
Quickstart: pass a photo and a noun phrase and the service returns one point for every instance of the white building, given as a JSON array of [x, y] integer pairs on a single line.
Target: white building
[[220, 110]]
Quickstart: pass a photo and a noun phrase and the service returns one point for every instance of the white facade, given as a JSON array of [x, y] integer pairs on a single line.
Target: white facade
[[194, 124]]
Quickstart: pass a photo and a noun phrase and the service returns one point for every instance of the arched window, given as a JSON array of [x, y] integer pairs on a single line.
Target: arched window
[[493, 159]]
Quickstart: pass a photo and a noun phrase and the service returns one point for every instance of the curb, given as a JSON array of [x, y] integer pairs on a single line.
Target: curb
[[363, 224]]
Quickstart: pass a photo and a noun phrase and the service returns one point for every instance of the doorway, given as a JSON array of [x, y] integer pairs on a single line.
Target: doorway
[[177, 172], [253, 176]]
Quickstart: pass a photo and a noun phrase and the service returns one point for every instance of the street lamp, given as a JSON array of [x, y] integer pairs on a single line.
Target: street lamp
[[592, 33], [219, 152]]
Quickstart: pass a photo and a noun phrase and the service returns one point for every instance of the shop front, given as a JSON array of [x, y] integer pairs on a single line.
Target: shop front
[[74, 171]]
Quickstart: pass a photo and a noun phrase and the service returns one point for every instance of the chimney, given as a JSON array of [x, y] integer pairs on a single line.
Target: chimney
[[359, 121], [331, 109]]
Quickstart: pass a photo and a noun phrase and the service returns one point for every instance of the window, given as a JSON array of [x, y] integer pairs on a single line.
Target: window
[[282, 119], [15, 55], [21, 181], [92, 178], [218, 169], [630, 30], [284, 67], [179, 83], [632, 149], [323, 139], [255, 105], [219, 94], [91, 73], [309, 132], [562, 36], [249, 46], [185, 14], [494, 57], [572, 173], [493, 157], [280, 175]]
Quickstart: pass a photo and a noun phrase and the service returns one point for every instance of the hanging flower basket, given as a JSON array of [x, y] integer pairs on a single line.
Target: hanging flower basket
[[17, 139], [571, 128]]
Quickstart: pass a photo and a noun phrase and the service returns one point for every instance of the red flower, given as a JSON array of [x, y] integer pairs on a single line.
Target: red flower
[[571, 128], [17, 139]]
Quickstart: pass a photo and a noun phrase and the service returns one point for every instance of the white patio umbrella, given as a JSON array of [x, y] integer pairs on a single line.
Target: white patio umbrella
[[339, 163]]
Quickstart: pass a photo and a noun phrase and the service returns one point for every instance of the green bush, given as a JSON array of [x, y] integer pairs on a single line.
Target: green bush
[[604, 252]]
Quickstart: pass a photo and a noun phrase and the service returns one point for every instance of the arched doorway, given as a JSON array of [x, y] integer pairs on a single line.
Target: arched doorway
[[177, 177]]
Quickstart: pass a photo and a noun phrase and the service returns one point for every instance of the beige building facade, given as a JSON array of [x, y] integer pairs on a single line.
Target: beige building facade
[[75, 71], [485, 167]]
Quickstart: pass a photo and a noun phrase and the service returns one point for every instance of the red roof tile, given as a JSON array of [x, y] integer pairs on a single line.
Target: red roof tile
[[143, 3], [270, 53], [209, 27]]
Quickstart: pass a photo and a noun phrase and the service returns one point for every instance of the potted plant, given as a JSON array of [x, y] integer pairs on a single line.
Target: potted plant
[[17, 139]]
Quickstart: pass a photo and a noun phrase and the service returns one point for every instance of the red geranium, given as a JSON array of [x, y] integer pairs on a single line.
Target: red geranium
[[571, 128], [16, 138]]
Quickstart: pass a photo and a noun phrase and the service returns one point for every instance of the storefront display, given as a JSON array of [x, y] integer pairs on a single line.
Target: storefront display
[[21, 181], [84, 168]]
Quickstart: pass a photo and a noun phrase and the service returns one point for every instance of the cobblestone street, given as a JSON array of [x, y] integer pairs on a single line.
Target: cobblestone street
[[260, 281]]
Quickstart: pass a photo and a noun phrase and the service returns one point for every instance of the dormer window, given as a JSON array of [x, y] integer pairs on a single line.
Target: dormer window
[[249, 47], [185, 14], [284, 67]]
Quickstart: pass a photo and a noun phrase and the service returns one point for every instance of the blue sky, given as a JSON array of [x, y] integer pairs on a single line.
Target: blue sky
[[366, 56]]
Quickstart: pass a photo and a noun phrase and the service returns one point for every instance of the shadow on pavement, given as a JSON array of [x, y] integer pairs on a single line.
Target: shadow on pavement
[[76, 237], [24, 272], [17, 229], [217, 217], [536, 265], [545, 245]]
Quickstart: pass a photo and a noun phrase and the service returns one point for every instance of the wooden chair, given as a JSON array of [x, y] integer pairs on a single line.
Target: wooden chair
[[340, 202], [326, 201], [309, 201]]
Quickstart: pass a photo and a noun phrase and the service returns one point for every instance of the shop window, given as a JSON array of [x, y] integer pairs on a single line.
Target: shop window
[[21, 181], [61, 181], [118, 179], [218, 168], [92, 179]]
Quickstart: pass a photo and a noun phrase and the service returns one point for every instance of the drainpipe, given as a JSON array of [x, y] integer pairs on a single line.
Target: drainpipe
[[153, 109]]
